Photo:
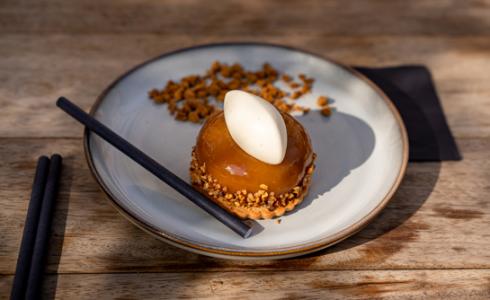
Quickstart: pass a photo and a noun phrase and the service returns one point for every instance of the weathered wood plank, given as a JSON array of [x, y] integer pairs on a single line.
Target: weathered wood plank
[[441, 210], [36, 70], [440, 284], [439, 219], [231, 18]]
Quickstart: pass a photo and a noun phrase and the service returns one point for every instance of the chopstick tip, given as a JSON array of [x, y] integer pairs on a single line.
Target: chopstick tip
[[248, 233], [56, 156], [60, 101], [42, 157]]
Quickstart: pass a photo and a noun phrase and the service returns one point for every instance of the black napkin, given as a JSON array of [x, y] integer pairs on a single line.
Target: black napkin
[[412, 91]]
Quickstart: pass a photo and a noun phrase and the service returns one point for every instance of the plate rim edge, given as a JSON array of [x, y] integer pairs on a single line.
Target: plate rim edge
[[297, 251]]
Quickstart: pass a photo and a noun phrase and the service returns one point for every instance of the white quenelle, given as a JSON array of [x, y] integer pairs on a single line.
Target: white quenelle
[[256, 126]]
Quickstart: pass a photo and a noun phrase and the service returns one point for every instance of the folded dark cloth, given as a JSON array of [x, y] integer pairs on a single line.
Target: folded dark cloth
[[412, 91]]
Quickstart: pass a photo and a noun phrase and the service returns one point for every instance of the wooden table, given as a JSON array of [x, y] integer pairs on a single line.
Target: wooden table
[[433, 239]]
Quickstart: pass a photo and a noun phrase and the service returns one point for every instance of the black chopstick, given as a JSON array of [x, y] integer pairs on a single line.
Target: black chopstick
[[30, 230], [43, 229], [234, 223]]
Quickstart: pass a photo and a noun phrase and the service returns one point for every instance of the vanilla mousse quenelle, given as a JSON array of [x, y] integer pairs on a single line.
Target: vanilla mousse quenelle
[[256, 126], [252, 159]]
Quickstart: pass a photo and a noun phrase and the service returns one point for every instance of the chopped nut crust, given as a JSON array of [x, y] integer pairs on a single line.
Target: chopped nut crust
[[250, 204]]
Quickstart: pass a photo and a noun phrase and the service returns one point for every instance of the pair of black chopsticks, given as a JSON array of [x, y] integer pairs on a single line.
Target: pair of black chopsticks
[[30, 264], [234, 223], [32, 254]]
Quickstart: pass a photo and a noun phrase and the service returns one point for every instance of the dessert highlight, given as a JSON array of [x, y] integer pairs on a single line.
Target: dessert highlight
[[252, 159]]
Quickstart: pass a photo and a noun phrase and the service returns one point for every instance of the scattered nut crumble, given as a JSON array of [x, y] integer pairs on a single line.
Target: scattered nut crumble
[[190, 99], [322, 101], [326, 111]]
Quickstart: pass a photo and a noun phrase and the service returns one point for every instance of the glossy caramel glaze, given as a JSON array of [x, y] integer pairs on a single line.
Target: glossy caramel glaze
[[237, 170]]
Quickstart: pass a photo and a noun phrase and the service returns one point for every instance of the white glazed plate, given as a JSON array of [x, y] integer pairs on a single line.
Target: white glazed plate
[[362, 153]]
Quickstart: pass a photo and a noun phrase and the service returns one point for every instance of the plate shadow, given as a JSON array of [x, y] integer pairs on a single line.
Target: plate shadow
[[339, 136]]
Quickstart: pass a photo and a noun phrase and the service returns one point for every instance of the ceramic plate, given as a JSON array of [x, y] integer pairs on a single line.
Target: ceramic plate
[[362, 153]]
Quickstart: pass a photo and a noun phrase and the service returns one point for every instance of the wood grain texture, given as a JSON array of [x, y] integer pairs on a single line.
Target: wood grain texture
[[440, 210], [431, 241], [440, 284], [34, 73], [232, 18]]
